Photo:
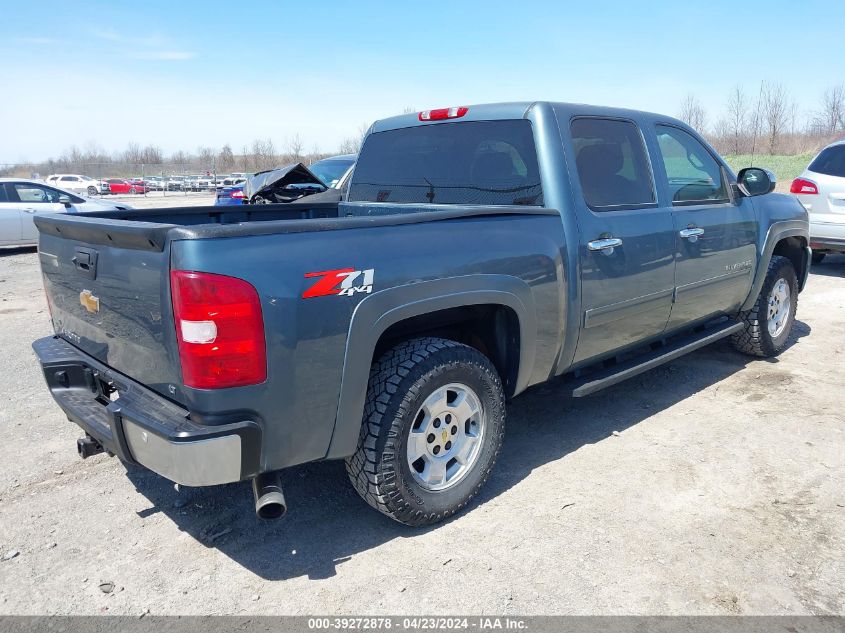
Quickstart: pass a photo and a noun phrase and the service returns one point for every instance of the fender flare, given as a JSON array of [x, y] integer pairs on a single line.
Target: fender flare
[[377, 312], [777, 232]]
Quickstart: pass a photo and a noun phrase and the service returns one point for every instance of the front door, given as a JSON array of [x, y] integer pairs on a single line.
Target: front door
[[33, 199], [626, 240], [716, 233]]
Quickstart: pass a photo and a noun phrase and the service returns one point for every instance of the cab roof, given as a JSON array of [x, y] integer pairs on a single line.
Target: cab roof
[[517, 110]]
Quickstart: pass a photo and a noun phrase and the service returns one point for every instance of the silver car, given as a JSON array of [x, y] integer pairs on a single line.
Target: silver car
[[21, 200], [821, 189]]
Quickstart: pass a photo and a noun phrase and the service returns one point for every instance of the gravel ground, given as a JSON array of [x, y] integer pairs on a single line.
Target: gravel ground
[[712, 485]]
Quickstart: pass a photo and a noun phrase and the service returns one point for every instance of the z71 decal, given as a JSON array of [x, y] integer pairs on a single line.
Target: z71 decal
[[340, 282]]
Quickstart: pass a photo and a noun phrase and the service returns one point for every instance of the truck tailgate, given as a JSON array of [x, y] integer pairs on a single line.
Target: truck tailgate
[[112, 301]]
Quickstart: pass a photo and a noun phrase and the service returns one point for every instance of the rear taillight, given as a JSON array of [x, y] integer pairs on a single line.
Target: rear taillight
[[220, 330], [237, 193], [443, 113], [802, 185]]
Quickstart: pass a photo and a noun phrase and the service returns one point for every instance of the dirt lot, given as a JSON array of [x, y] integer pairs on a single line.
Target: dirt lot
[[712, 485]]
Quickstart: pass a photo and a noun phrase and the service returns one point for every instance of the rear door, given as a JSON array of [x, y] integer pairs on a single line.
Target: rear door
[[715, 233], [10, 219], [626, 240]]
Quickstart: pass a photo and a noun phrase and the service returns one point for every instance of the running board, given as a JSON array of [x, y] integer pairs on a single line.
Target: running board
[[598, 380]]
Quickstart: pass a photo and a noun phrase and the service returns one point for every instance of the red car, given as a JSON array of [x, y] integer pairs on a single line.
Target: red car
[[120, 185]]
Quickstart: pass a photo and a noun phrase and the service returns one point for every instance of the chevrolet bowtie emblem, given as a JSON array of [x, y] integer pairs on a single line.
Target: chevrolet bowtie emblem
[[89, 301]]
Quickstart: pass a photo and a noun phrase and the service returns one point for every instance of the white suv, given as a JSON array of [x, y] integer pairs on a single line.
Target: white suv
[[76, 183], [821, 189]]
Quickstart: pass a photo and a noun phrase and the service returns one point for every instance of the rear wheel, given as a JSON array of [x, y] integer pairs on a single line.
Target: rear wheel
[[769, 323], [433, 426], [818, 257], [133, 190]]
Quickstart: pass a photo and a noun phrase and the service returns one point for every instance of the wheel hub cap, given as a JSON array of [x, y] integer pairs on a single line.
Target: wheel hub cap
[[445, 440], [780, 303]]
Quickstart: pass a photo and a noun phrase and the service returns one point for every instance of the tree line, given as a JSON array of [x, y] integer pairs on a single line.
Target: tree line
[[768, 121], [261, 154]]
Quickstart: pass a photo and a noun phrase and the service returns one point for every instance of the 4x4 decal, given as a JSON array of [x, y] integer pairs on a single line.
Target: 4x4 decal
[[340, 282]]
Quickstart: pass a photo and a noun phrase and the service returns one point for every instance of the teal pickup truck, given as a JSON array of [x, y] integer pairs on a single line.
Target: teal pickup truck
[[479, 250]]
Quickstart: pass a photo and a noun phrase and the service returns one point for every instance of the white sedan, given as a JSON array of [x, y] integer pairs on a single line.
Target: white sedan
[[22, 200]]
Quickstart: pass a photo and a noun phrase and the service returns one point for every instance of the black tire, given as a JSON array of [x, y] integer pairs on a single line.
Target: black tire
[[755, 339], [818, 257], [92, 191], [400, 381]]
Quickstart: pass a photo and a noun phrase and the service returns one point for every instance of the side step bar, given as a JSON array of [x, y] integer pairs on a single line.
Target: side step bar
[[598, 380]]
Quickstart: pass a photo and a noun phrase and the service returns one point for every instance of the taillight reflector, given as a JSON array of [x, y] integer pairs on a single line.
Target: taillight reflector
[[443, 113], [802, 185], [220, 330]]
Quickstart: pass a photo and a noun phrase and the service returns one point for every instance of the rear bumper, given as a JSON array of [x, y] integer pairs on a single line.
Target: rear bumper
[[827, 244], [140, 426]]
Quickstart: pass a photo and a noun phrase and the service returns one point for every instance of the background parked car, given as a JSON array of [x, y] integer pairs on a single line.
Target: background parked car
[[76, 183], [21, 200], [231, 195], [174, 183], [154, 183], [335, 170], [121, 185], [821, 189]]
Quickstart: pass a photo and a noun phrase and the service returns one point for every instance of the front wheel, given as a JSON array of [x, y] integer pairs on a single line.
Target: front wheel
[[433, 426], [769, 323], [92, 191]]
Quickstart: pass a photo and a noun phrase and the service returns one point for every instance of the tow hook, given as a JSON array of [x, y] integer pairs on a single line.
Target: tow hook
[[88, 446], [269, 499]]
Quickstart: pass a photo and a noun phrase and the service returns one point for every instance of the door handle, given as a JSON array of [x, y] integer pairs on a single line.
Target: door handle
[[604, 244], [691, 232], [29, 210]]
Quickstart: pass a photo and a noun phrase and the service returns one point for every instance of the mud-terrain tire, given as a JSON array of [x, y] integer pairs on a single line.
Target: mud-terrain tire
[[769, 323], [433, 425]]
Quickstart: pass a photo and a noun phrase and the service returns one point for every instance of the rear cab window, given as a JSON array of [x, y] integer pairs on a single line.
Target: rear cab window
[[831, 161], [472, 162]]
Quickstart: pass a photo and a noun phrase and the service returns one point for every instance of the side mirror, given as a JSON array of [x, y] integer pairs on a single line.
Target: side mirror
[[65, 200], [754, 181]]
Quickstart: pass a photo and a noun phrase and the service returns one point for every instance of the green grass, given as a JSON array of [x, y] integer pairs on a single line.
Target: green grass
[[785, 168]]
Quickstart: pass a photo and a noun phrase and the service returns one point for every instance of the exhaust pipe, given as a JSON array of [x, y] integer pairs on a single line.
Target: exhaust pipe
[[269, 499]]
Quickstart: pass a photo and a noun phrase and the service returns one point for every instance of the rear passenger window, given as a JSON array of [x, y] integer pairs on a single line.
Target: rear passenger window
[[831, 161], [695, 177], [612, 164], [471, 162]]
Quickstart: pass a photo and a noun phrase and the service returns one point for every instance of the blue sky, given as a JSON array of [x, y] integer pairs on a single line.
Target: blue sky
[[181, 74]]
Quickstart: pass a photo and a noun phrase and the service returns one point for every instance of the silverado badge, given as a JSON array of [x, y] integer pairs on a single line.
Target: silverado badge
[[89, 301]]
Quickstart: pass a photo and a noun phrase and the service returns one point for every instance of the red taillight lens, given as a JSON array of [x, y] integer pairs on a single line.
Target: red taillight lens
[[220, 330], [802, 185], [237, 193], [443, 113]]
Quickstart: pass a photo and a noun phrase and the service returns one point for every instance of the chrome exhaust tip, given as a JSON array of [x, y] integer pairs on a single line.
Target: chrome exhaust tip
[[269, 498]]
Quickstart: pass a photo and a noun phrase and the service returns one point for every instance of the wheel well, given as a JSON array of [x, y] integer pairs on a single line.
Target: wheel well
[[491, 329], [793, 248]]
